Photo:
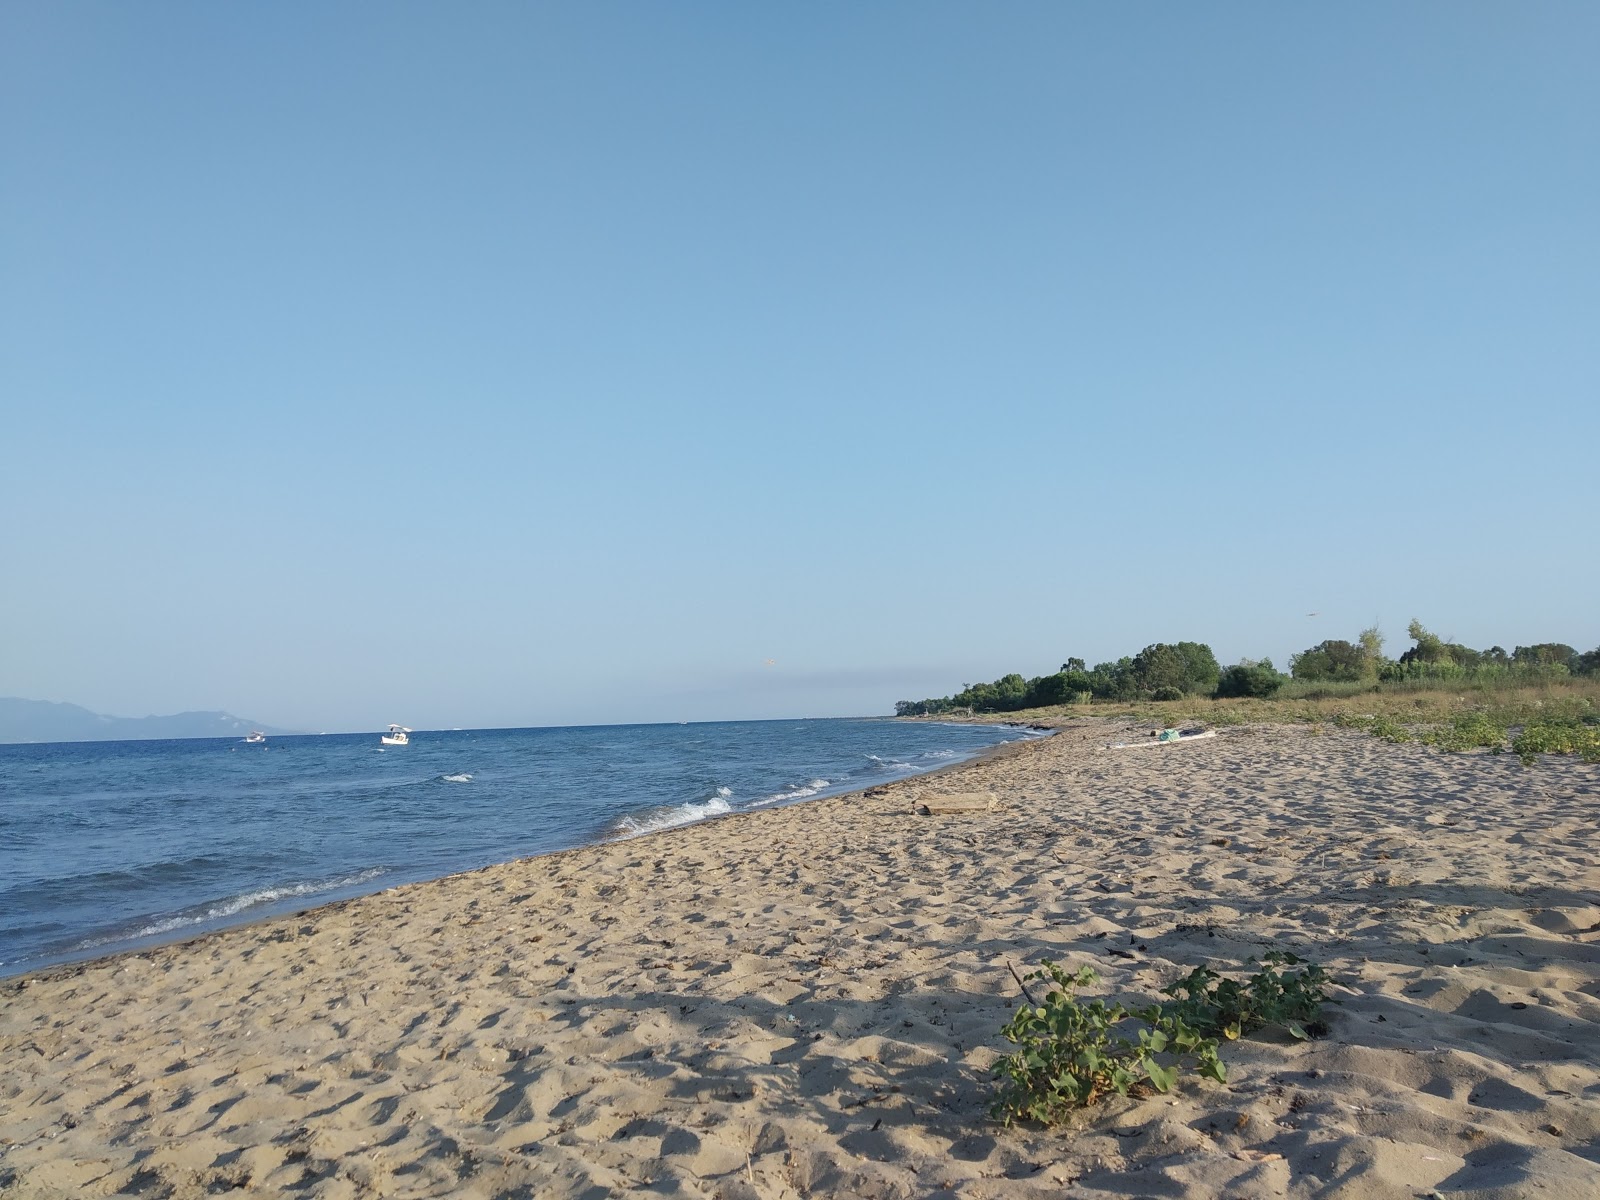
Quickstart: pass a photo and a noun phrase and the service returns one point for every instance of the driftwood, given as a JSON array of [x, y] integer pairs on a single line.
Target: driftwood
[[958, 802], [1177, 741]]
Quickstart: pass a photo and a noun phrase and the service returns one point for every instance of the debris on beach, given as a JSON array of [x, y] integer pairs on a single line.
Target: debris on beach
[[1166, 737], [958, 802]]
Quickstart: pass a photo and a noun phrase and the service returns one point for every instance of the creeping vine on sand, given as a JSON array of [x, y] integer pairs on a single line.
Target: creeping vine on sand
[[1072, 1053]]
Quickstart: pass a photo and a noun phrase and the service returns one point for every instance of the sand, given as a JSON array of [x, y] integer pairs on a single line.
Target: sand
[[806, 1001]]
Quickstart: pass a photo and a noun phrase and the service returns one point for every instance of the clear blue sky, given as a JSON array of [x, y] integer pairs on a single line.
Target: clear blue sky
[[509, 364]]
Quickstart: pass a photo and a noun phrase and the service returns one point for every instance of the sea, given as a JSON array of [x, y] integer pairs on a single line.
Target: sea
[[106, 846]]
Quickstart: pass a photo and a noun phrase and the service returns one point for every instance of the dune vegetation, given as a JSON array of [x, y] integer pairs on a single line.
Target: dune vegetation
[[1535, 699]]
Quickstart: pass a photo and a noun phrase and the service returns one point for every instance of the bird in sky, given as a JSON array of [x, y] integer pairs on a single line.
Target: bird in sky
[[769, 662], [1313, 614]]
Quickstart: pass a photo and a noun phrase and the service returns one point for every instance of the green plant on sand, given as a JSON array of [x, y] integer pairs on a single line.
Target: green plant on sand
[[1071, 1053], [1558, 736], [1229, 1008]]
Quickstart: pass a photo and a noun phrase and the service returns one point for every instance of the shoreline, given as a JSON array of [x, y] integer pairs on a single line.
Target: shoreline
[[179, 937], [807, 1001]]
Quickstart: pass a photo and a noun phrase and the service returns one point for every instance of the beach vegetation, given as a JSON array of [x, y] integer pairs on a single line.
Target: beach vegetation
[[1220, 1007], [1251, 678], [1438, 691], [1559, 735], [1071, 1053], [1333, 661]]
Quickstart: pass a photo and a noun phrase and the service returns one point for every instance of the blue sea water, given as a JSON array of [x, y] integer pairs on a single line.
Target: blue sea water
[[107, 845]]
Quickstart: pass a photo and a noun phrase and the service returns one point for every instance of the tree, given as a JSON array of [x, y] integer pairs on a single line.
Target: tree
[[1201, 668], [1189, 668], [1061, 688], [1158, 667], [1113, 680], [1429, 648], [1434, 650], [1371, 642], [1544, 654], [1332, 661], [1250, 678]]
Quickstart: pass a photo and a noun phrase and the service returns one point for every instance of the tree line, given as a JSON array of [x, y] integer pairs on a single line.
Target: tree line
[[1173, 671], [1432, 657]]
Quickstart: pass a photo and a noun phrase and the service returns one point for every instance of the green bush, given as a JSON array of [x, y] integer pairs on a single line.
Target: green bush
[[1381, 726], [1167, 693], [1466, 732], [1216, 1006], [1557, 736], [1332, 661], [1070, 1054], [1258, 679]]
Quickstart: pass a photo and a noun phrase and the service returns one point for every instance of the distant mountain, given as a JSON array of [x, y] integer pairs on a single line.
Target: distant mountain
[[44, 721]]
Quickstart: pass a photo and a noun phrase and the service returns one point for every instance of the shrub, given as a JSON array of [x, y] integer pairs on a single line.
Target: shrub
[[1558, 736], [1259, 679], [1466, 732], [1544, 654], [1167, 693], [1219, 1007], [1070, 1054], [1332, 662], [1190, 668]]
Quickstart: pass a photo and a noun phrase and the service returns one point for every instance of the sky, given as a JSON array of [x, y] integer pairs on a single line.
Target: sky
[[506, 364]]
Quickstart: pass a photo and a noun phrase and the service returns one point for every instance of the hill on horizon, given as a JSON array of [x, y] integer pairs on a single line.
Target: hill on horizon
[[48, 721]]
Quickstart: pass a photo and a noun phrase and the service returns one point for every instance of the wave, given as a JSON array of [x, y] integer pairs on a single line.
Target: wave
[[671, 818], [463, 777], [233, 906], [888, 764], [799, 793]]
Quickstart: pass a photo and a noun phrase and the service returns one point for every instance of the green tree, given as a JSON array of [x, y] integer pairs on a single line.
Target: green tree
[[1333, 661], [1250, 678], [1544, 654], [1371, 643], [1113, 680], [1428, 647], [1189, 668]]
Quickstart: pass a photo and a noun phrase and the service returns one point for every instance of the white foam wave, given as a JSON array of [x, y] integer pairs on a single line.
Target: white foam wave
[[237, 904], [889, 764], [671, 818], [799, 793], [464, 777], [725, 793]]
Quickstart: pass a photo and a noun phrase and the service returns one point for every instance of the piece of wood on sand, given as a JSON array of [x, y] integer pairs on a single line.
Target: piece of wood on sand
[[947, 803], [1177, 741]]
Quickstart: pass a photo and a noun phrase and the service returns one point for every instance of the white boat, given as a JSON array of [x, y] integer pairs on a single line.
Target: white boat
[[398, 735], [256, 736]]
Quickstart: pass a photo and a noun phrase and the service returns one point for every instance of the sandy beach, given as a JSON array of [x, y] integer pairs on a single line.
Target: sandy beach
[[806, 1001]]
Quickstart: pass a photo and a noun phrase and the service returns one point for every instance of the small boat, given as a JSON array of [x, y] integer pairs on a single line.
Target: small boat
[[256, 736], [398, 735]]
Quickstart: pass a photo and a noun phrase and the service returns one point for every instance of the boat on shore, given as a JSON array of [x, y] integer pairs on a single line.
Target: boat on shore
[[398, 735]]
